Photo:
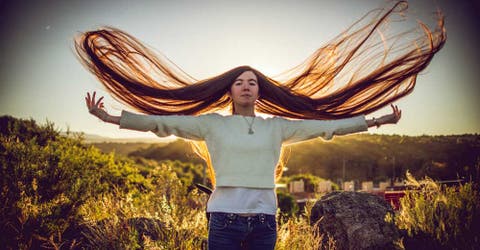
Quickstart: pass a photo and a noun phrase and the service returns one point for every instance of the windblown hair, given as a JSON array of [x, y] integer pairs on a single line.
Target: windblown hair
[[365, 68]]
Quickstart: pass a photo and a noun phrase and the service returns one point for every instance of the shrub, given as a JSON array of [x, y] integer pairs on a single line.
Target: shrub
[[26, 130], [287, 204], [440, 215], [189, 173], [45, 178]]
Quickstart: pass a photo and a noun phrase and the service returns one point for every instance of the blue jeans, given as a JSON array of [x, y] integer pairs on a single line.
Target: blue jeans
[[231, 231]]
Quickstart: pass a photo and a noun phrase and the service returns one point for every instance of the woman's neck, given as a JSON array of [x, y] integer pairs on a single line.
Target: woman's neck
[[245, 111]]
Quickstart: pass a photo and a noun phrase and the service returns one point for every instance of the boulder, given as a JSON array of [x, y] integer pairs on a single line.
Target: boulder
[[355, 220]]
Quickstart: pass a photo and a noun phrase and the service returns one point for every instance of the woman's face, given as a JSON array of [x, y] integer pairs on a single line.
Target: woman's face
[[244, 90]]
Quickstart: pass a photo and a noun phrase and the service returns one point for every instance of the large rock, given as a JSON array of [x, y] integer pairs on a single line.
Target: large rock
[[355, 220]]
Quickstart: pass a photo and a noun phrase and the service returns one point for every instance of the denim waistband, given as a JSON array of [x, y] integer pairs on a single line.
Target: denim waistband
[[233, 216]]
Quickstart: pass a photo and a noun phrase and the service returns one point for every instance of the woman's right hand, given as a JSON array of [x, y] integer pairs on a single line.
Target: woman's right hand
[[96, 108]]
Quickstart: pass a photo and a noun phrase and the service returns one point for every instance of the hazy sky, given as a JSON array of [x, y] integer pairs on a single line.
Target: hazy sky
[[42, 79]]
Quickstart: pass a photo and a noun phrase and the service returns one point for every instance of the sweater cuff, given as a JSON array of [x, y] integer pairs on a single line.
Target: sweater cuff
[[360, 124]]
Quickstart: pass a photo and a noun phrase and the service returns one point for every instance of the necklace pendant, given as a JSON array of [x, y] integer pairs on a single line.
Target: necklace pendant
[[250, 131]]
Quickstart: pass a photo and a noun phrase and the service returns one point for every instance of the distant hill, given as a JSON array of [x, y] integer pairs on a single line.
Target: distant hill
[[379, 157], [123, 146], [93, 138], [177, 150]]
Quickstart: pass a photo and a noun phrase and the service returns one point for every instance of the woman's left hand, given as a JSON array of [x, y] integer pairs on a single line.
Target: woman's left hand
[[393, 117]]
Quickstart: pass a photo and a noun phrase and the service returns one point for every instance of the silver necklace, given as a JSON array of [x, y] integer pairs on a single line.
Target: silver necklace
[[250, 124]]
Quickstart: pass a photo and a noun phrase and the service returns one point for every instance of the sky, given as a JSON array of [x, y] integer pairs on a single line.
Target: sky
[[41, 77]]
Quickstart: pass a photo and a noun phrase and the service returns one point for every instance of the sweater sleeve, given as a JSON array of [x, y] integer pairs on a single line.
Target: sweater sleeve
[[300, 130], [188, 127]]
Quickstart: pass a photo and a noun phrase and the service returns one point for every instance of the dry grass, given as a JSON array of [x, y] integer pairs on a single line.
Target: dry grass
[[177, 228]]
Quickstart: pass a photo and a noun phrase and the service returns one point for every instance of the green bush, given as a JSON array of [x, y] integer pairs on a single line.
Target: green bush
[[27, 130], [46, 178], [287, 204], [435, 214], [189, 173]]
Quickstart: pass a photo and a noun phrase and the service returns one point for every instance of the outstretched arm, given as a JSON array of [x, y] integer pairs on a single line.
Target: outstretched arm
[[386, 119], [300, 130], [188, 127], [97, 109]]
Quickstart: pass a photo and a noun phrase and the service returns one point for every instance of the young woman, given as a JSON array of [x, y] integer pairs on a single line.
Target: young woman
[[243, 148]]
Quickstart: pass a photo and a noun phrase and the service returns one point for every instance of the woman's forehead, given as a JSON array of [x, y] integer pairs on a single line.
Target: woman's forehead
[[247, 75]]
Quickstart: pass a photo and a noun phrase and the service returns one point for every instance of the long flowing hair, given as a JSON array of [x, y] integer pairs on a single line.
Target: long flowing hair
[[365, 68]]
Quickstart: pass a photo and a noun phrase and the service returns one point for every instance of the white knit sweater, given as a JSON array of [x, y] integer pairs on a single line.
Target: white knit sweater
[[241, 159]]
